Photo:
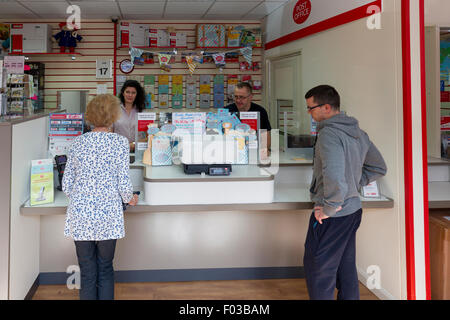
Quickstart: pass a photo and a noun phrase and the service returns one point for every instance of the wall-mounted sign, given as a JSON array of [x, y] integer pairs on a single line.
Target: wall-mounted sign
[[301, 12], [302, 18], [103, 68]]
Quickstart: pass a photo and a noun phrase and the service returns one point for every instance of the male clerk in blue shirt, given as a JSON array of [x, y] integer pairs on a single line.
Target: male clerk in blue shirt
[[243, 95]]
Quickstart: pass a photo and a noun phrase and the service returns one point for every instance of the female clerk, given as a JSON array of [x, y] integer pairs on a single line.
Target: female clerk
[[132, 96]]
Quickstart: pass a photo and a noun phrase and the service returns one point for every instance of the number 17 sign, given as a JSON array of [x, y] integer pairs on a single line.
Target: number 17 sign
[[103, 68]]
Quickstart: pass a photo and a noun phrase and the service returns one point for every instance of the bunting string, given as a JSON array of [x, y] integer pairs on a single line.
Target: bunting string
[[193, 57]]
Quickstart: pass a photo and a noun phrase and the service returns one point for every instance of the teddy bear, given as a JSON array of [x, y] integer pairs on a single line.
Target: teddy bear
[[67, 38]]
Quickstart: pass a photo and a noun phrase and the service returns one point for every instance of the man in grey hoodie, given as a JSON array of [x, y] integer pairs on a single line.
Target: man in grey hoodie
[[344, 161]]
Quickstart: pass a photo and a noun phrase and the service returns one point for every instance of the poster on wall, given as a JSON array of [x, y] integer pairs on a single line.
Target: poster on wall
[[444, 70], [14, 64], [445, 63], [445, 123]]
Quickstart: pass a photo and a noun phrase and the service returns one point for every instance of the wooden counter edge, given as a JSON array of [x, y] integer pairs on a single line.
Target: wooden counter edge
[[256, 207]]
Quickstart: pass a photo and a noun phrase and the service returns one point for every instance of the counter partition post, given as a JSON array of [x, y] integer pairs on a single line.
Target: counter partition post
[[115, 57]]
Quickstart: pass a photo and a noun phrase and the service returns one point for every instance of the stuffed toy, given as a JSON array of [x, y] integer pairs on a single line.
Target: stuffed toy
[[67, 38], [4, 38]]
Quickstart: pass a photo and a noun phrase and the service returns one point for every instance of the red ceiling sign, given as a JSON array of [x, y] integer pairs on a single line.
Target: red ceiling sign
[[301, 11]]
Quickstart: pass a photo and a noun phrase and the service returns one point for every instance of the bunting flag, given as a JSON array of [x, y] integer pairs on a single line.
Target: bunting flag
[[191, 63], [164, 60], [247, 53], [135, 53], [198, 58], [219, 59]]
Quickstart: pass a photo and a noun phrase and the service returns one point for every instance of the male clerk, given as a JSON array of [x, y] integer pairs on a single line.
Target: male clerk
[[243, 95], [344, 161]]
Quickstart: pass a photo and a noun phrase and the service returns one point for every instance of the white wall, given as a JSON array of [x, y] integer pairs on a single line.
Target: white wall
[[29, 141], [437, 13], [320, 10], [365, 66], [5, 197]]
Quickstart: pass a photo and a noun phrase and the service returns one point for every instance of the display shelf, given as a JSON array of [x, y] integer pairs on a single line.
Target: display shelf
[[46, 53], [139, 47], [228, 48], [195, 48]]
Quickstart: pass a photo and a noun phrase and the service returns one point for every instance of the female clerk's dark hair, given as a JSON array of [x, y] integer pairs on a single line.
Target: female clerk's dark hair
[[139, 102]]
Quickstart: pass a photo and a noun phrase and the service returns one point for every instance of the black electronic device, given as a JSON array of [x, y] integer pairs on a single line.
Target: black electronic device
[[125, 205], [219, 171], [209, 169], [60, 161]]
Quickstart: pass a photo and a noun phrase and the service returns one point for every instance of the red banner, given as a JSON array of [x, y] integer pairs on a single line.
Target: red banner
[[445, 123]]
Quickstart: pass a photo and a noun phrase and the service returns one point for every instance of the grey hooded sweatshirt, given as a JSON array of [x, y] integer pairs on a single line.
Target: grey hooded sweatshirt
[[344, 161]]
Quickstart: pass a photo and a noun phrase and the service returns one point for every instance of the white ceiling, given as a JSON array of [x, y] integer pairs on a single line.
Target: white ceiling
[[141, 9]]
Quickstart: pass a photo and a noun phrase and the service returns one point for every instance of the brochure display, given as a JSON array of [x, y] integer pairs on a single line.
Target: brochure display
[[371, 190], [191, 92], [161, 151], [177, 91], [41, 187], [66, 124], [163, 91], [205, 91], [63, 128]]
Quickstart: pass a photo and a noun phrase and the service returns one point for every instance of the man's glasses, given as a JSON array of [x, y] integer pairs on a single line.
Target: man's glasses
[[241, 97], [312, 108]]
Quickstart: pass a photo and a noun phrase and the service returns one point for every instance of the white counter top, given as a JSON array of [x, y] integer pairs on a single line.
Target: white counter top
[[286, 197], [439, 194], [437, 161], [175, 173], [289, 191], [296, 157]]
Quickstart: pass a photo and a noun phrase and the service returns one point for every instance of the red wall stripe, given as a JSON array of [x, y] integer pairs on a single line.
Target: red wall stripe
[[115, 60], [407, 149], [78, 48], [94, 35], [71, 68], [97, 41], [332, 22], [77, 81], [424, 150], [76, 88]]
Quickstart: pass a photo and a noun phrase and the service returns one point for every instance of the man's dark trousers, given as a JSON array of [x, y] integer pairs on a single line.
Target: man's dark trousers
[[329, 260]]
